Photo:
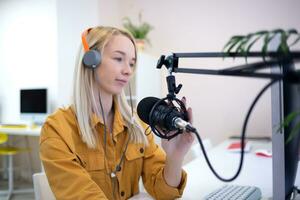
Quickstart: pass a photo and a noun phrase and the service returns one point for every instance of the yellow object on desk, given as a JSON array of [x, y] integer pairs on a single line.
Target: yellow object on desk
[[13, 126]]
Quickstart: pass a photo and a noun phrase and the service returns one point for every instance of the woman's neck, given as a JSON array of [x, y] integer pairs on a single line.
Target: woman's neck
[[108, 111], [107, 103]]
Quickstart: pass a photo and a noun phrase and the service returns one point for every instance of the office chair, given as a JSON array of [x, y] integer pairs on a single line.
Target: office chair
[[10, 152], [42, 190]]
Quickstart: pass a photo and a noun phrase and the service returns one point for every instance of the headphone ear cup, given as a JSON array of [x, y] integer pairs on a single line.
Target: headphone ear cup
[[91, 59]]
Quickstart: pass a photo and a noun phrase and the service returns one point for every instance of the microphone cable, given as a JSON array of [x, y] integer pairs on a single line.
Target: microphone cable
[[242, 138]]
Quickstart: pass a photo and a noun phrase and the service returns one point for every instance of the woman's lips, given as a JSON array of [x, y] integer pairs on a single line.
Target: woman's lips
[[121, 81]]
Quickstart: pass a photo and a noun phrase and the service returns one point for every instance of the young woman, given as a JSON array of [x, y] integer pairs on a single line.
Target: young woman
[[96, 148]]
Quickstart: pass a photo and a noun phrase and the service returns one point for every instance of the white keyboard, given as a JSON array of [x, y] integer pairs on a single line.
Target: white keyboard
[[235, 192]]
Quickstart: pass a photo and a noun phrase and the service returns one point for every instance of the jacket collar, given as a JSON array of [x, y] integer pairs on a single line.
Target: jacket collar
[[118, 123]]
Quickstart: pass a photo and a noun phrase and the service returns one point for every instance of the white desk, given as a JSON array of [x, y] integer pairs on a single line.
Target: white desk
[[26, 132], [21, 131], [201, 181], [256, 171]]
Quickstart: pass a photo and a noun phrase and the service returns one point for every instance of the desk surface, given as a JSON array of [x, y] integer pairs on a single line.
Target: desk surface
[[256, 171], [21, 131]]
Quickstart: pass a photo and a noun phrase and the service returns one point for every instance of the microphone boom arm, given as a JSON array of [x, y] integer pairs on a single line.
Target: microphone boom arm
[[247, 70]]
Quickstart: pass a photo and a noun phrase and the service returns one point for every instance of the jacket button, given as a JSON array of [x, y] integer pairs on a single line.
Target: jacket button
[[118, 168], [141, 150], [122, 193]]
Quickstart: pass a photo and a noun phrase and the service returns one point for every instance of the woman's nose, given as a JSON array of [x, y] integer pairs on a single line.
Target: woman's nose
[[127, 69]]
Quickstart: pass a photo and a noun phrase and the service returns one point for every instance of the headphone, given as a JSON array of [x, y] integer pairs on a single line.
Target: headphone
[[91, 58]]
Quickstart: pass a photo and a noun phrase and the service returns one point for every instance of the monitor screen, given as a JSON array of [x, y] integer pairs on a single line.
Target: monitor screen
[[33, 101]]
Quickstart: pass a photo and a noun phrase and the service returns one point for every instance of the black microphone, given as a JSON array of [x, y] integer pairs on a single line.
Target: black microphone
[[166, 117]]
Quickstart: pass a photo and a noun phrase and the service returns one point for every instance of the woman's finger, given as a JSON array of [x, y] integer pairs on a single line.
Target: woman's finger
[[190, 115], [183, 99], [170, 133], [190, 137]]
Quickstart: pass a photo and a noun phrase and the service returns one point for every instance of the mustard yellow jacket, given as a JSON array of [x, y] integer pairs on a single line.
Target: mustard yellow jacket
[[75, 171]]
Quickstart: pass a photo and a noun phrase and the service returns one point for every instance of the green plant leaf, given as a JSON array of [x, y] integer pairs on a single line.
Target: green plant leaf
[[139, 31], [258, 36], [291, 31], [255, 40], [283, 47], [276, 31], [232, 43], [232, 40], [295, 41], [293, 132], [266, 44], [241, 47], [261, 32], [232, 46], [264, 49], [288, 119], [243, 42], [235, 43]]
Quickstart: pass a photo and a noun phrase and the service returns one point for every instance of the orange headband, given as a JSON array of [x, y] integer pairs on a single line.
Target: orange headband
[[84, 41]]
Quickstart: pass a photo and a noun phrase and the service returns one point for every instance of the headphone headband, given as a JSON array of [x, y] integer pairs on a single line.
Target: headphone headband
[[91, 58], [84, 41]]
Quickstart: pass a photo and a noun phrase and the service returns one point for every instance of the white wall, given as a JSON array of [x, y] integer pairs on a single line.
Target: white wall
[[73, 17], [46, 48], [28, 57], [199, 25], [39, 43], [219, 103]]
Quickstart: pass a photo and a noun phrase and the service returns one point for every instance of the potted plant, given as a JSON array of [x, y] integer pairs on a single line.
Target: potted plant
[[288, 38], [244, 43], [139, 31]]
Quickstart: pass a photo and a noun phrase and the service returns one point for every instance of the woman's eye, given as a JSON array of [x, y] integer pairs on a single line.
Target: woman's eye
[[119, 59], [132, 64]]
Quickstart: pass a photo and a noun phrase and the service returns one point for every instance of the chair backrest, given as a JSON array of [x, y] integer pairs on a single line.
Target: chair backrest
[[3, 138], [42, 190]]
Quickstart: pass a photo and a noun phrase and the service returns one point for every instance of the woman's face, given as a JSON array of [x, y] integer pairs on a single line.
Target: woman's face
[[116, 68]]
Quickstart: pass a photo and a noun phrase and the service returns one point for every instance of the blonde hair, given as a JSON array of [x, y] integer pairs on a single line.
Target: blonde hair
[[86, 93]]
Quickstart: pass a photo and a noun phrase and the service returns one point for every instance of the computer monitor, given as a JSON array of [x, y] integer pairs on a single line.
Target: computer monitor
[[33, 105], [285, 99]]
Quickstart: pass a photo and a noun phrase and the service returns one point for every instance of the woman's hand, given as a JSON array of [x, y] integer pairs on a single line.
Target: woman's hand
[[177, 147]]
